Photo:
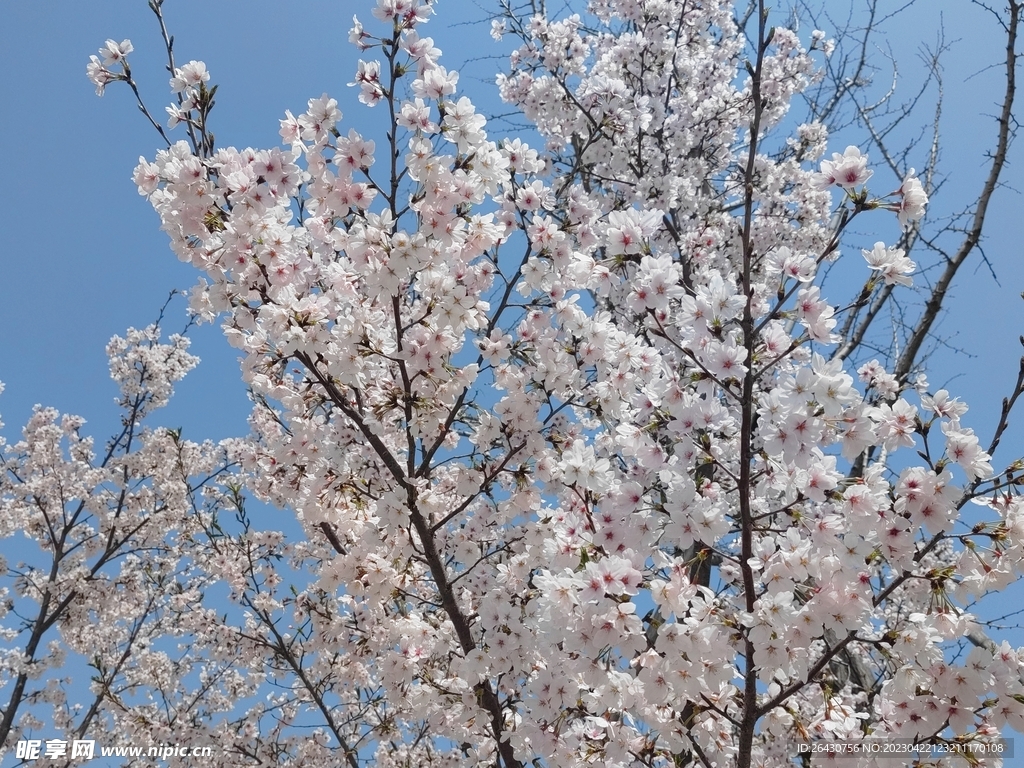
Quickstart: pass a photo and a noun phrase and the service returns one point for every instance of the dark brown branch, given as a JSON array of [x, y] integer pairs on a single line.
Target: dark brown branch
[[750, 715], [908, 358]]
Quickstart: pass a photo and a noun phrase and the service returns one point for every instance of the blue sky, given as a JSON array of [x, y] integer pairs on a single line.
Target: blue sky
[[83, 257]]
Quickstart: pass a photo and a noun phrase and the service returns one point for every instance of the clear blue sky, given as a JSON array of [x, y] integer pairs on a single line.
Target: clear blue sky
[[82, 254], [83, 258]]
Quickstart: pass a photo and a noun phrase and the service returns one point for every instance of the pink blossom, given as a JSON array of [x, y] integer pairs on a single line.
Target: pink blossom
[[913, 200], [846, 171]]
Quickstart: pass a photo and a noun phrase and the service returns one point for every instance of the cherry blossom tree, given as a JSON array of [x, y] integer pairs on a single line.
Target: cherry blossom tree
[[591, 470], [122, 552]]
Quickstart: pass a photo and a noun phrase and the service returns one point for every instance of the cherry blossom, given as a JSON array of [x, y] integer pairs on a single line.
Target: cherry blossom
[[913, 200], [846, 170], [586, 475], [891, 264]]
